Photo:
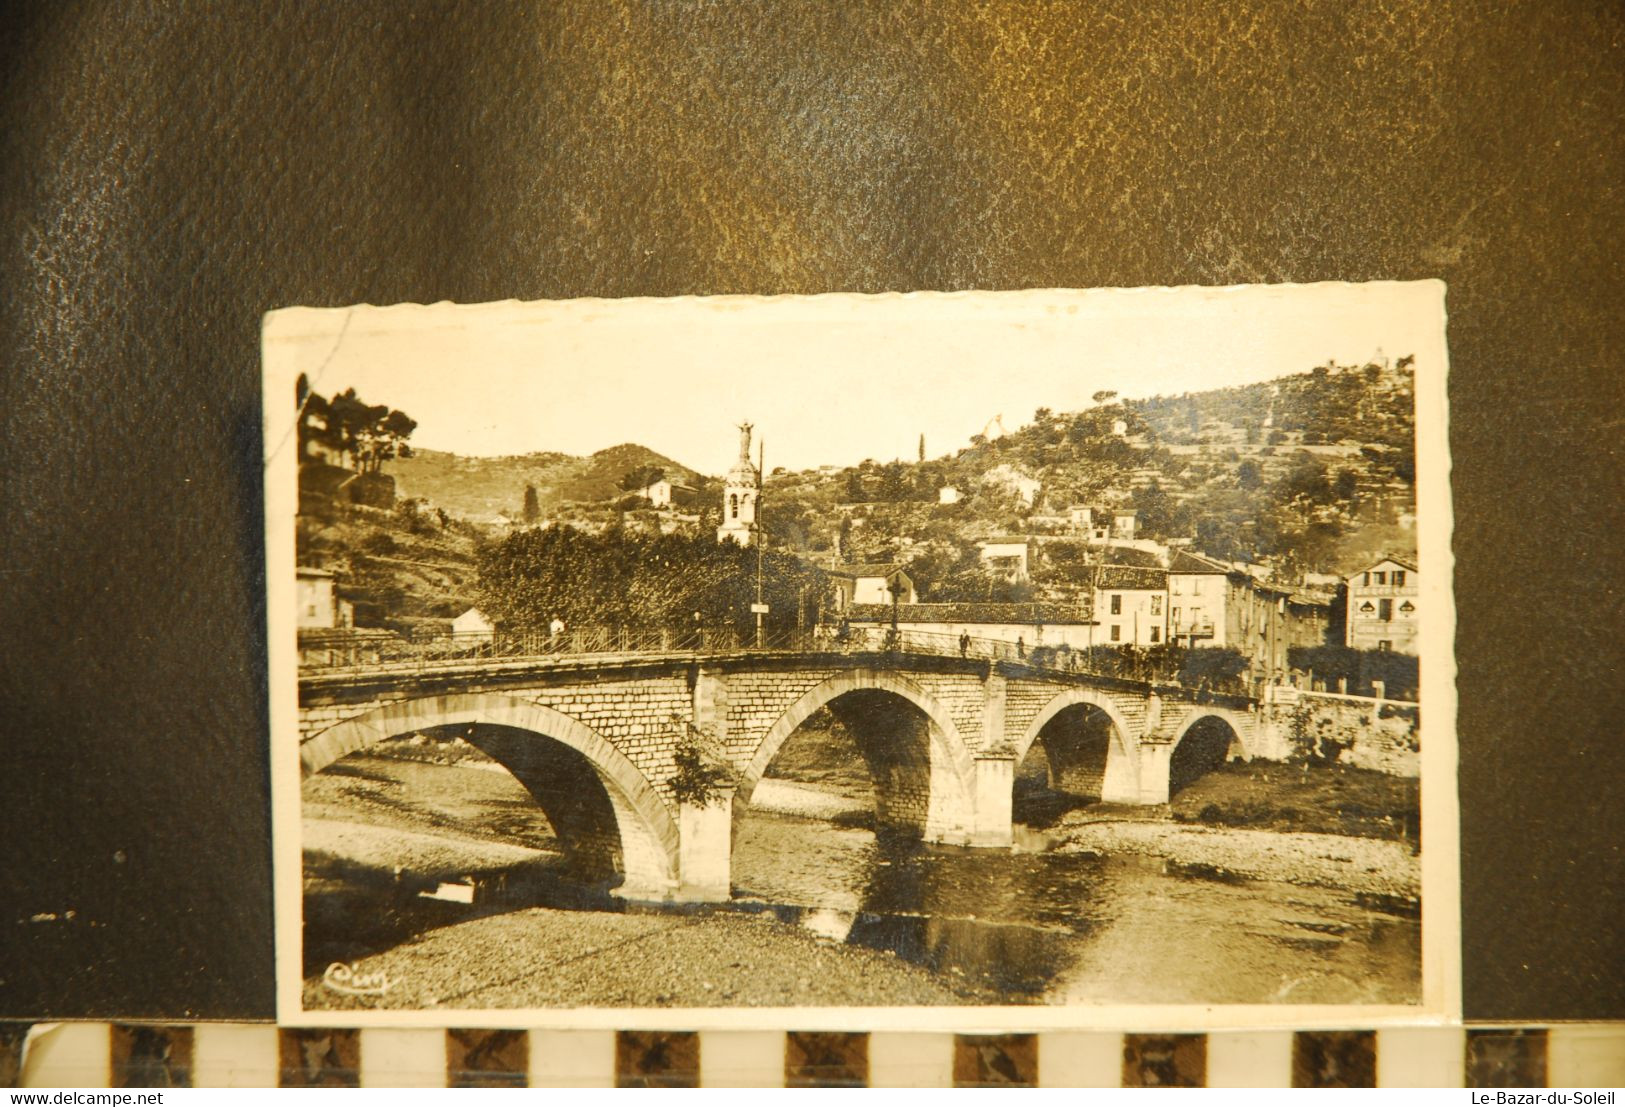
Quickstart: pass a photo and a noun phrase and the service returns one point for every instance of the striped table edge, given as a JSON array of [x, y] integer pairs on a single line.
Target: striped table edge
[[100, 1054]]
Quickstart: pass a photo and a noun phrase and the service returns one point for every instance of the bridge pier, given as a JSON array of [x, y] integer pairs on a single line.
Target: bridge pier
[[1122, 780], [705, 850], [1156, 761], [993, 784]]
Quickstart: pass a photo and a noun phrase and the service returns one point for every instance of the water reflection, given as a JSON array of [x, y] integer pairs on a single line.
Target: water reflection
[[1040, 926]]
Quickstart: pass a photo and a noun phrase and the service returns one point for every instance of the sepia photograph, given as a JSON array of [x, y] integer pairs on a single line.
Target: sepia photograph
[[1033, 655]]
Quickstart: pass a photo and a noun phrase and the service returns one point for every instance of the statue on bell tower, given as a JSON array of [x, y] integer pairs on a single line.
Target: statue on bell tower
[[739, 494]]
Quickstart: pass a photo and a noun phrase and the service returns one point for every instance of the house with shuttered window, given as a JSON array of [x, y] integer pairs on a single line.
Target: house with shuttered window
[[1383, 607]]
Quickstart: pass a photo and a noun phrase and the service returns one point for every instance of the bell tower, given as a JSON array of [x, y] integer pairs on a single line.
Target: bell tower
[[739, 494]]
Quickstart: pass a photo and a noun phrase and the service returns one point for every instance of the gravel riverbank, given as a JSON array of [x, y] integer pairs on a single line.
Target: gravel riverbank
[[1370, 866], [548, 958]]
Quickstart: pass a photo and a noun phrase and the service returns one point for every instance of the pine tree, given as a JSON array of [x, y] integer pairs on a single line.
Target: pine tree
[[533, 505]]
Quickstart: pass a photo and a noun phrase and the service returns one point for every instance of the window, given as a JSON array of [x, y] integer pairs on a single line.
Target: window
[[1196, 587], [733, 505], [310, 609], [1176, 616], [1385, 610], [1399, 578], [1365, 579], [1407, 607], [1156, 634], [1385, 645], [1177, 585], [1117, 606], [1156, 605], [1117, 632], [1367, 608]]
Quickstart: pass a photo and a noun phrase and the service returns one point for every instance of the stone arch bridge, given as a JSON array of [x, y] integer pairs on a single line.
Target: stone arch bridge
[[596, 741]]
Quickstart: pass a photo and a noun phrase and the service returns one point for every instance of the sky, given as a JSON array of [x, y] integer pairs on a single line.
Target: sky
[[827, 380]]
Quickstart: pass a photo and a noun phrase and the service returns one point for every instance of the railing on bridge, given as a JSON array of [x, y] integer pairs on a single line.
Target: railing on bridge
[[337, 651]]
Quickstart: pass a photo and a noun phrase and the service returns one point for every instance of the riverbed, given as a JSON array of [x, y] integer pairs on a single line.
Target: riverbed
[[1090, 910]]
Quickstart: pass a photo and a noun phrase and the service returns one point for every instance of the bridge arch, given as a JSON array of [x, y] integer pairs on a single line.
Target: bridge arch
[[1111, 772], [1206, 738], [923, 785], [516, 733]]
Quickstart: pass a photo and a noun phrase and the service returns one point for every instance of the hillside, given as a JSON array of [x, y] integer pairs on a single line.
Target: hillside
[[401, 569], [1312, 472], [482, 487]]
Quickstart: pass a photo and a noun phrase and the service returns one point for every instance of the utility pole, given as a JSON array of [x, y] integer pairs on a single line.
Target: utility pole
[[759, 607]]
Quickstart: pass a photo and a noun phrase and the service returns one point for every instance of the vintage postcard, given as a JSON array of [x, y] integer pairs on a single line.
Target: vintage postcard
[[956, 661]]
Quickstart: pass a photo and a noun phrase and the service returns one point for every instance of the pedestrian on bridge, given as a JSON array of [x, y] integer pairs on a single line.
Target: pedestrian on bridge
[[964, 643]]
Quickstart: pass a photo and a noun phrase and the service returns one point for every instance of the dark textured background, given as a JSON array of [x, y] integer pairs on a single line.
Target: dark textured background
[[170, 172]]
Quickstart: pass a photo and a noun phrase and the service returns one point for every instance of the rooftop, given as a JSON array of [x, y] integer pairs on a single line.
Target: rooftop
[[1402, 562], [1026, 614], [866, 569], [1133, 578], [1185, 561]]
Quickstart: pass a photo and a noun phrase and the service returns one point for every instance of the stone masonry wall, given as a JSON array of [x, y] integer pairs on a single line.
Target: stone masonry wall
[[962, 696], [757, 700], [1370, 734], [314, 720], [635, 715], [1024, 699]]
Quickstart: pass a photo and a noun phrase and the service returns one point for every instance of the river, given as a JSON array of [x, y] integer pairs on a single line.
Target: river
[[1032, 925], [1039, 926]]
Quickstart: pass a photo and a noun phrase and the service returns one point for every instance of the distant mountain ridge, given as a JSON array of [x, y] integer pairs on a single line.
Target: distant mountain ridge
[[481, 487]]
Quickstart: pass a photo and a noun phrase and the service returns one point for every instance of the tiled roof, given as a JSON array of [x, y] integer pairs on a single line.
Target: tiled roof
[[1133, 578], [1007, 613], [1402, 562], [1184, 561]]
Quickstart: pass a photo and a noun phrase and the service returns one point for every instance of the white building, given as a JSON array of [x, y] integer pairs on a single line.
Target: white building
[[1131, 606], [739, 493], [1027, 626], [871, 584], [1198, 593], [948, 494], [1382, 607], [1005, 556], [666, 493], [472, 627], [319, 606]]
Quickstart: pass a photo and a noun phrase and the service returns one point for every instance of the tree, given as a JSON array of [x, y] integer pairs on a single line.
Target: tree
[[367, 434], [856, 493], [1104, 396], [1248, 475], [624, 579], [893, 482], [533, 505], [1345, 485], [1211, 666], [1156, 510], [636, 480], [922, 449]]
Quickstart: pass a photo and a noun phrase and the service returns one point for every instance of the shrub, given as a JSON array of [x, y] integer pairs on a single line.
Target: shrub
[[697, 780]]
